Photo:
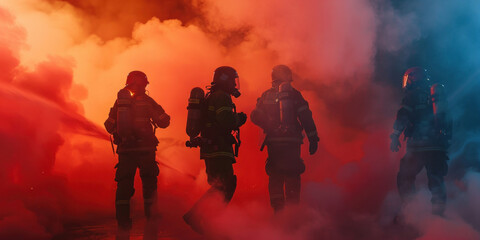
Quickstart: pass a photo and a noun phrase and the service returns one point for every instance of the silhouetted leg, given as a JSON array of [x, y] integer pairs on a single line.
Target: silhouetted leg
[[437, 169], [194, 217], [148, 173], [124, 177], [292, 189], [410, 165], [276, 191], [220, 176], [222, 181]]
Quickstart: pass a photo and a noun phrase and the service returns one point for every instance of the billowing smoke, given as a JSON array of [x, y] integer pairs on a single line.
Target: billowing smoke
[[62, 63], [36, 117]]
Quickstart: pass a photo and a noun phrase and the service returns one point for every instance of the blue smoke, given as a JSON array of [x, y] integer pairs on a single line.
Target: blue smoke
[[444, 37]]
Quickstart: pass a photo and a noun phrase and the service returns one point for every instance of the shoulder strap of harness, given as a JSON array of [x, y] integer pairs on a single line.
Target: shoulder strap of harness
[[237, 134]]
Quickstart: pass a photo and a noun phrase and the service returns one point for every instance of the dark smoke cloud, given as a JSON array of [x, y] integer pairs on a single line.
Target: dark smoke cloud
[[111, 19]]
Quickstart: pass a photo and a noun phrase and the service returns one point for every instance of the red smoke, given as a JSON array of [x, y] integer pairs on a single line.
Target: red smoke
[[62, 63]]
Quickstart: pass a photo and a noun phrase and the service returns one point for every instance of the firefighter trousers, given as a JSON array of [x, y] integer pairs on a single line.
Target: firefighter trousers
[[220, 176], [284, 167], [125, 175], [435, 163], [283, 189], [222, 180]]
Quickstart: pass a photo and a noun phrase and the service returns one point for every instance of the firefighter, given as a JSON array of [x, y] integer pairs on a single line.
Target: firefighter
[[217, 141], [424, 120], [132, 122], [283, 114]]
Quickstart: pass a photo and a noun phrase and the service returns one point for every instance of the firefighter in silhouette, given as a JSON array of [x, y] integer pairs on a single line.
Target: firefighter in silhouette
[[218, 123], [424, 120], [132, 121], [283, 114]]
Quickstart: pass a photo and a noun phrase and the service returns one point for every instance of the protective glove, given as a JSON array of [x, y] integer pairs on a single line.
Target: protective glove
[[395, 144], [240, 118], [312, 148]]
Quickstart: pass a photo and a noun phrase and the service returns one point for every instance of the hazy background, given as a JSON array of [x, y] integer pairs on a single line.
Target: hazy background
[[62, 63]]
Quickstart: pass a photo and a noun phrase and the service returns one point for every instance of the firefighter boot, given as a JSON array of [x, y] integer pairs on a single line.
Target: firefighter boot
[[124, 221]]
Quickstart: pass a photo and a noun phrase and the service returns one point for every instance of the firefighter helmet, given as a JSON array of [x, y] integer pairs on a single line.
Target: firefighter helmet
[[415, 77], [225, 75], [226, 78], [137, 77], [280, 74]]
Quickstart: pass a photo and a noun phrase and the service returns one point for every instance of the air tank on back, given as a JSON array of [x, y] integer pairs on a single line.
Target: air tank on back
[[194, 117], [124, 116], [288, 115], [440, 105]]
